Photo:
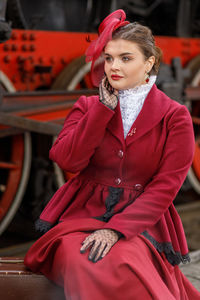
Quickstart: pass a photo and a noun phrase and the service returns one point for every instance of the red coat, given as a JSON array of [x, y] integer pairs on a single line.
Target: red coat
[[150, 164]]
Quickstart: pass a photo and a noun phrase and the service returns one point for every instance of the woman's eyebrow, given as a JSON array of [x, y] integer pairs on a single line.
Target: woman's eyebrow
[[126, 53], [122, 54]]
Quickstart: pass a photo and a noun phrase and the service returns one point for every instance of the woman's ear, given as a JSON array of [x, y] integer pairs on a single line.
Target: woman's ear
[[150, 62]]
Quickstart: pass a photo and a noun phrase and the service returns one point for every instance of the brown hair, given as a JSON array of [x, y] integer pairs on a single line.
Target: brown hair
[[143, 37]]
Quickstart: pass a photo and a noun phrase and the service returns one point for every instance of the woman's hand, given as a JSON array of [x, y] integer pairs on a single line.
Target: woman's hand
[[107, 94], [100, 241]]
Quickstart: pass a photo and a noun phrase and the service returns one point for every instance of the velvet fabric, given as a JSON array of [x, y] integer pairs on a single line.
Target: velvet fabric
[[148, 167], [113, 21], [133, 269]]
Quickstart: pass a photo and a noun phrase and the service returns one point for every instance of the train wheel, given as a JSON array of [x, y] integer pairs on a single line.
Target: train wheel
[[15, 162], [74, 76], [194, 172], [5, 83]]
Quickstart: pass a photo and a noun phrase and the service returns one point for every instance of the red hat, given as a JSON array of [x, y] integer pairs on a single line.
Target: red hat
[[94, 51]]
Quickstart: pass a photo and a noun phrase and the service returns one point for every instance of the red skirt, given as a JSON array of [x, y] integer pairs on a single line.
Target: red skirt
[[133, 269]]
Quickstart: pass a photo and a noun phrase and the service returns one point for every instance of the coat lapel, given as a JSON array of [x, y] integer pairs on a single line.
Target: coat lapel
[[153, 110], [115, 126]]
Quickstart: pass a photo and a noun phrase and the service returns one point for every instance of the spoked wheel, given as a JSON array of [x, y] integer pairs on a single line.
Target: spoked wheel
[[15, 162], [74, 76], [194, 172]]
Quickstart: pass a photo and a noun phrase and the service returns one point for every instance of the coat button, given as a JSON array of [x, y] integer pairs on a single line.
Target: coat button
[[118, 181], [138, 187], [120, 153]]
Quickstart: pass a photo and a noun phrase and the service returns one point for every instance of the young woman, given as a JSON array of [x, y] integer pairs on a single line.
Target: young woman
[[117, 234]]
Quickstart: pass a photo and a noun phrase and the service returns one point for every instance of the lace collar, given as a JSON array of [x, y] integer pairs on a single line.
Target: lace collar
[[131, 102], [144, 88]]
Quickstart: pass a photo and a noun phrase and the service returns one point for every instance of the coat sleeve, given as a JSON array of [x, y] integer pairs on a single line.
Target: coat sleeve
[[166, 182], [83, 131]]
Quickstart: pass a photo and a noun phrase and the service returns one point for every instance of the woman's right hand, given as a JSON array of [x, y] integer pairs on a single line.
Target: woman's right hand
[[107, 94], [100, 242]]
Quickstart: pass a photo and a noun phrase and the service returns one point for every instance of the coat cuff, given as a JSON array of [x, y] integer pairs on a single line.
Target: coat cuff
[[42, 226]]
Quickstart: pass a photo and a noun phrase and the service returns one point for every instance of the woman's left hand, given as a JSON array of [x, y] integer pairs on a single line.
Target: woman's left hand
[[100, 241]]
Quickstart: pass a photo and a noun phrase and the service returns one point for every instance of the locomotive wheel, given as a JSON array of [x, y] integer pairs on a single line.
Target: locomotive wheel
[[74, 76], [15, 162], [5, 83], [196, 161], [194, 172]]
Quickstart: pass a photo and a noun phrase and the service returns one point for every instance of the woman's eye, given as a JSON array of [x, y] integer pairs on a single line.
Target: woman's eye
[[125, 58], [108, 58]]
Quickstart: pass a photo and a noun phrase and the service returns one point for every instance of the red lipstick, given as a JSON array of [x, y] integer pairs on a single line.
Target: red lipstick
[[116, 77]]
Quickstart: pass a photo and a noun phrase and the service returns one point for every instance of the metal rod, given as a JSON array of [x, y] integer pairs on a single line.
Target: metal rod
[[29, 125]]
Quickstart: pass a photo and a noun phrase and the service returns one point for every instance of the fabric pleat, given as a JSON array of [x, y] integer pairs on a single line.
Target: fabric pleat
[[132, 270]]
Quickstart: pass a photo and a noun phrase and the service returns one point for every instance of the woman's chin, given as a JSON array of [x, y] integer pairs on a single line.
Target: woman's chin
[[116, 84]]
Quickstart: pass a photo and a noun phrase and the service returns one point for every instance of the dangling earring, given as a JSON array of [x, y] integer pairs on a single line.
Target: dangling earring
[[146, 78]]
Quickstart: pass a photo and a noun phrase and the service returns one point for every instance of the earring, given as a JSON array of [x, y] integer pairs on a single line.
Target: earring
[[146, 77]]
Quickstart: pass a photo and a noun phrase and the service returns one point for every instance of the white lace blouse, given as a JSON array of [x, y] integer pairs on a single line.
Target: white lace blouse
[[131, 102]]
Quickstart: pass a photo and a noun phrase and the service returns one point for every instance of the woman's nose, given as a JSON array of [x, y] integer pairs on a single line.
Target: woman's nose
[[115, 64]]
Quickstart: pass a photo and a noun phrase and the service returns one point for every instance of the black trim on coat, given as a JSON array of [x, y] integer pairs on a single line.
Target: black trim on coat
[[174, 258]]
